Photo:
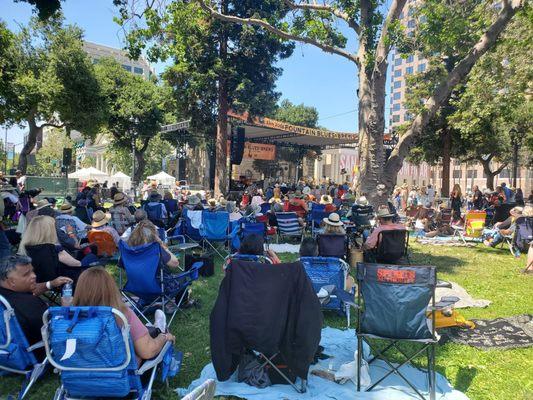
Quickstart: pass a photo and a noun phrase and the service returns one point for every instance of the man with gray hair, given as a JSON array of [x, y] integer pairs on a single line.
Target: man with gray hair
[[18, 287]]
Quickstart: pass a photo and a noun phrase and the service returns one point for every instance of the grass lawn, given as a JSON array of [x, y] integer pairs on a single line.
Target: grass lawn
[[483, 375]]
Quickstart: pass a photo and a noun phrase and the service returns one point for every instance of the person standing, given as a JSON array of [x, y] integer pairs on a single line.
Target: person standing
[[477, 198], [456, 201], [508, 193], [431, 194]]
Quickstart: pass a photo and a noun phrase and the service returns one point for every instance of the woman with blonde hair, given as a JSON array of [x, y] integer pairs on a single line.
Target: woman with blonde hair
[[97, 288], [456, 201], [49, 259]]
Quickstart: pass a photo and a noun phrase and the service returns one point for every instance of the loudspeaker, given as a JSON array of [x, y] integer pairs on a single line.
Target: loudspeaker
[[237, 145], [67, 157]]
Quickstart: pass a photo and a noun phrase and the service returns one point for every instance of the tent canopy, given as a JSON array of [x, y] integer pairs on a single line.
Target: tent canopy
[[123, 180], [89, 173], [163, 178]]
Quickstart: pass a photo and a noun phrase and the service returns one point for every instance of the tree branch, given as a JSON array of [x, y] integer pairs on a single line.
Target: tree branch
[[500, 168], [281, 33], [383, 48], [324, 7], [53, 125], [443, 91]]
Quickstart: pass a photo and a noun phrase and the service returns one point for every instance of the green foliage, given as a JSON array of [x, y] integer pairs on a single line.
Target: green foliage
[[300, 114], [50, 77], [49, 157], [45, 8]]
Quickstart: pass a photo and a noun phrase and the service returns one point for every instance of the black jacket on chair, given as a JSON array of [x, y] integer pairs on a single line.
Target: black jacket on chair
[[267, 308]]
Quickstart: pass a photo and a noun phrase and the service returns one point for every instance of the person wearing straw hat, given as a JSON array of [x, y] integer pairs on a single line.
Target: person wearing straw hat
[[327, 200], [69, 223], [121, 216], [212, 205], [100, 223], [39, 206], [505, 228], [333, 225], [233, 210], [385, 219]]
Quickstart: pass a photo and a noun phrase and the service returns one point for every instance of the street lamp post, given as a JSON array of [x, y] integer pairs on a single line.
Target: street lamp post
[[515, 141], [133, 131]]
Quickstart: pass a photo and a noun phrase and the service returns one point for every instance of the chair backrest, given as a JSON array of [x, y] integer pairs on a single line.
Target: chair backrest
[[247, 257], [105, 245], [206, 391], [475, 223], [318, 207], [361, 215], [324, 271], [192, 232], [250, 228], [13, 342], [215, 225], [171, 205], [265, 207], [392, 245], [317, 216], [142, 266], [446, 215], [154, 212], [523, 233], [94, 354], [332, 245], [288, 223], [395, 300]]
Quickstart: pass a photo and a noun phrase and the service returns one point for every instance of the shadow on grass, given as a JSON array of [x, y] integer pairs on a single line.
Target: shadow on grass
[[443, 263], [464, 378]]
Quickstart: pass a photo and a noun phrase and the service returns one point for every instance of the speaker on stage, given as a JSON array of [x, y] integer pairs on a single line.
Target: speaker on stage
[[237, 145], [67, 157]]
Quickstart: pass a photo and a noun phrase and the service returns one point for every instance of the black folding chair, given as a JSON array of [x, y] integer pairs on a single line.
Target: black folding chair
[[332, 246], [392, 305], [392, 247]]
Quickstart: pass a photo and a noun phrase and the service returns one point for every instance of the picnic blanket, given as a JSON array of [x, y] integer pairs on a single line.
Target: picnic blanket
[[465, 299], [499, 333], [448, 241], [341, 345], [284, 248]]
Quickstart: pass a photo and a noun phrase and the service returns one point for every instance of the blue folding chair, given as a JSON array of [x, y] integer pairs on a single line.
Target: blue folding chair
[[265, 207], [330, 271], [145, 287], [154, 213], [288, 225], [92, 349], [215, 229], [188, 230], [394, 303], [16, 355], [246, 257], [171, 205], [316, 216]]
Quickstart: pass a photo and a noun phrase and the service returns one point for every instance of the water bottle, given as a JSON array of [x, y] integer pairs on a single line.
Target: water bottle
[[66, 295]]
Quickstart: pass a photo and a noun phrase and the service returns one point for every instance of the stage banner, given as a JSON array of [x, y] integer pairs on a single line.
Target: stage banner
[[257, 151]]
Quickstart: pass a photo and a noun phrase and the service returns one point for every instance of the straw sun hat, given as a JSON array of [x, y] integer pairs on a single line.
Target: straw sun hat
[[99, 219], [333, 220]]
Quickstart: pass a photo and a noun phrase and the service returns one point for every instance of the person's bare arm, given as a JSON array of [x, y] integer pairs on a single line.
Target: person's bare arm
[[41, 288], [67, 259], [147, 347], [173, 262]]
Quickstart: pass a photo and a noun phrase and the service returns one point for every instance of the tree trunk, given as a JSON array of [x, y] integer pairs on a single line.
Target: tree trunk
[[446, 150], [488, 173], [31, 140], [221, 171], [140, 165]]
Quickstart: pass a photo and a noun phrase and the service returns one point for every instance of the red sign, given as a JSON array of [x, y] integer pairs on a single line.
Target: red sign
[[396, 276], [258, 151]]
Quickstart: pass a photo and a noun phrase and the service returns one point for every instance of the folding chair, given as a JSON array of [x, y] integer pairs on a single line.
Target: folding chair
[[392, 305], [145, 286], [519, 241], [361, 216], [325, 271], [190, 231], [105, 245], [473, 226], [93, 351], [288, 225], [171, 205], [316, 216], [154, 213], [332, 246], [16, 355], [445, 216], [392, 246], [206, 391], [215, 228], [265, 207]]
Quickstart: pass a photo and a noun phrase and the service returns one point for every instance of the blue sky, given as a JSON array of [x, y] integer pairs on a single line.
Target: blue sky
[[310, 76]]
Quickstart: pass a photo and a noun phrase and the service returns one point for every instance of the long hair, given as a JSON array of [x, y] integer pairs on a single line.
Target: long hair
[[40, 230], [96, 287], [145, 232], [457, 190], [333, 230]]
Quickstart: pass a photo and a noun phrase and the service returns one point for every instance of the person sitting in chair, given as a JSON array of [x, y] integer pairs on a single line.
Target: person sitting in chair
[[19, 287], [308, 247], [121, 217], [157, 212], [332, 241], [385, 220], [100, 223], [254, 245], [139, 215]]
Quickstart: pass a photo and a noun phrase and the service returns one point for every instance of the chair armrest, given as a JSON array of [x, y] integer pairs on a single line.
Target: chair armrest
[[153, 362], [443, 284], [36, 346], [445, 302]]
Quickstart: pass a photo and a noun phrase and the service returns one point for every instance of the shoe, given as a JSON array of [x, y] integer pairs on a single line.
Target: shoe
[[487, 243], [160, 320]]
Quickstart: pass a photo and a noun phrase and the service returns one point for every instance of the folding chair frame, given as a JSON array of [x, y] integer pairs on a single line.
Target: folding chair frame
[[461, 230], [281, 234], [428, 346], [375, 252], [268, 360], [31, 374]]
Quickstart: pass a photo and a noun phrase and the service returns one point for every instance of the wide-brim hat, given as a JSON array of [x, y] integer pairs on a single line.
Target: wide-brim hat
[[66, 208], [119, 198], [384, 212], [42, 204], [212, 202], [334, 219], [223, 202], [193, 200], [306, 190], [362, 201], [326, 199], [516, 211], [99, 218], [274, 200]]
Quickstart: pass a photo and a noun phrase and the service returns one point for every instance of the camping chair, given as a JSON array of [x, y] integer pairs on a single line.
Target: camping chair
[[265, 207], [189, 231], [288, 225], [332, 246], [519, 241], [95, 356], [473, 226], [171, 205], [392, 305], [105, 245], [361, 216], [245, 257], [392, 246], [206, 391], [155, 213], [16, 355], [445, 216], [145, 287], [324, 271], [215, 228], [315, 218]]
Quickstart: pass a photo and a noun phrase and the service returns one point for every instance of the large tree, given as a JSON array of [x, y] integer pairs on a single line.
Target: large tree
[[315, 23], [51, 82], [135, 110], [48, 160], [217, 66]]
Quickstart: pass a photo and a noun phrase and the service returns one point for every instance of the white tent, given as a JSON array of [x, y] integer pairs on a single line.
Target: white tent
[[123, 180], [85, 174], [163, 178]]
